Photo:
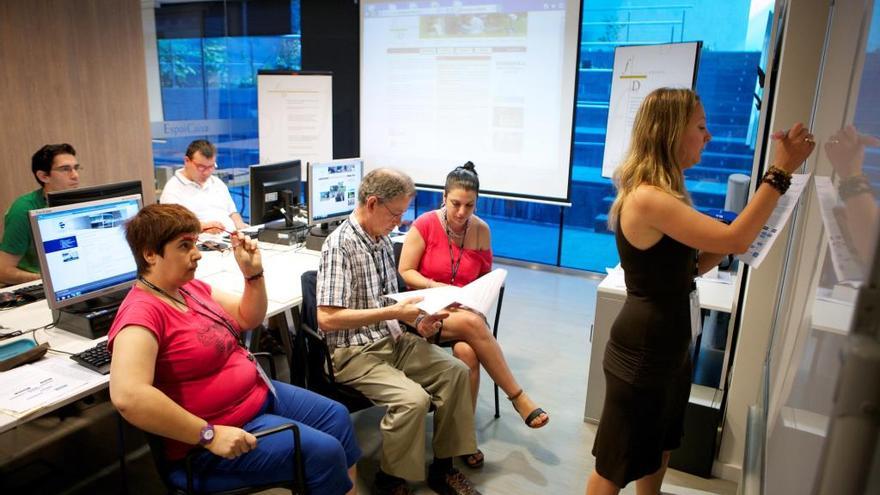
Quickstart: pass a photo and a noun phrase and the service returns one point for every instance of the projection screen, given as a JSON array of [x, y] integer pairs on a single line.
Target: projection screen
[[493, 82]]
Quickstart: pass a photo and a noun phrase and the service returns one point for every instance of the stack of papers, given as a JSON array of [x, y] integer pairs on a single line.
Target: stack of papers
[[27, 389]]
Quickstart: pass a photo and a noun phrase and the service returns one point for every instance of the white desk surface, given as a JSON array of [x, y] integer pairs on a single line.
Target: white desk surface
[[714, 294], [282, 266]]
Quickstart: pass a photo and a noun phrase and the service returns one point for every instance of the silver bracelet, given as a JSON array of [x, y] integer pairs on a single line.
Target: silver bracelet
[[419, 320]]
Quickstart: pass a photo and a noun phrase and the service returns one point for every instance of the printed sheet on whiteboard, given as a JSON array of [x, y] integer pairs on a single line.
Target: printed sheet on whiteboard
[[638, 70], [295, 117]]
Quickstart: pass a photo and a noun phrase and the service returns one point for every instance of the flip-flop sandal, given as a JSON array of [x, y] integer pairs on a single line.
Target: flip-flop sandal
[[473, 461], [532, 415]]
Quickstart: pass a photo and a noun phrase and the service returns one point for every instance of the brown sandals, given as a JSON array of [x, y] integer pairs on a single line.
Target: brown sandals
[[532, 415]]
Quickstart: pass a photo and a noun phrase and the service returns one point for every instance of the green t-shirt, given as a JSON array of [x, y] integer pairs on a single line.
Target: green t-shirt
[[17, 238]]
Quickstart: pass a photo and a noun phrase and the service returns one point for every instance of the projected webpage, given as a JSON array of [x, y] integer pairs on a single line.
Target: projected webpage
[[333, 189], [85, 248], [447, 82]]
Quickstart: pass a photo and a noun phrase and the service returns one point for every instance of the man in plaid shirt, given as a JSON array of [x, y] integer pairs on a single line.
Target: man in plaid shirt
[[400, 370]]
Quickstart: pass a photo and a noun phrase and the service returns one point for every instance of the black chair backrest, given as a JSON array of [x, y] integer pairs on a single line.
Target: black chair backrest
[[313, 351], [309, 285]]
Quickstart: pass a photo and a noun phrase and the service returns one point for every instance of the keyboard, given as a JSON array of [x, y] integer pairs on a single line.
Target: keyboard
[[30, 293], [96, 359], [20, 297]]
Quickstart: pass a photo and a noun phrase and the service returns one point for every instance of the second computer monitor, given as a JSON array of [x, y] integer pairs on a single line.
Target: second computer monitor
[[333, 189], [94, 193], [274, 186]]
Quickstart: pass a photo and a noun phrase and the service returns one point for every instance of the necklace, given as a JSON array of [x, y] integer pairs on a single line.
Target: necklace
[[454, 264], [162, 291]]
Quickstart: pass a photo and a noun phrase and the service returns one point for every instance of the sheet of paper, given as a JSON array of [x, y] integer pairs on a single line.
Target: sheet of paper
[[29, 387], [846, 265], [479, 294], [759, 248]]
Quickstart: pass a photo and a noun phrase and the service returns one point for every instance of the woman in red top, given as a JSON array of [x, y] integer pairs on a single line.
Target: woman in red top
[[452, 246], [180, 369]]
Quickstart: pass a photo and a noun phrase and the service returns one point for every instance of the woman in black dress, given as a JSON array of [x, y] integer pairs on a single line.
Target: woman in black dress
[[663, 244]]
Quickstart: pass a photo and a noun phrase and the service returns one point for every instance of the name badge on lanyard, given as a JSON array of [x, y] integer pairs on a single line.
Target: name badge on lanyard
[[696, 315]]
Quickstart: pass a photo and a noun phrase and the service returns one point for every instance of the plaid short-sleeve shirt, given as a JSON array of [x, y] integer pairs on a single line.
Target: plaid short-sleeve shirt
[[355, 272]]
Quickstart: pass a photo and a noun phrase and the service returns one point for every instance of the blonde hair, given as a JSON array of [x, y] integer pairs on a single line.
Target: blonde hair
[[652, 157]]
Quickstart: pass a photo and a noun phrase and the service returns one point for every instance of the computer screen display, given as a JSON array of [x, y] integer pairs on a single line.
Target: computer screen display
[[273, 185], [92, 193], [333, 189], [82, 249]]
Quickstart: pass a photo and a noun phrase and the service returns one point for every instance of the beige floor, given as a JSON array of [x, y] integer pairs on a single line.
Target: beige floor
[[545, 325]]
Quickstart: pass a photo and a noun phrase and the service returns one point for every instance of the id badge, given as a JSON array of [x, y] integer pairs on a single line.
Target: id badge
[[696, 315], [262, 374], [394, 328]]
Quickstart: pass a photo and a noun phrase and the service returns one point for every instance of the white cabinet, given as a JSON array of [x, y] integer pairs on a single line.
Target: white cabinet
[[715, 294]]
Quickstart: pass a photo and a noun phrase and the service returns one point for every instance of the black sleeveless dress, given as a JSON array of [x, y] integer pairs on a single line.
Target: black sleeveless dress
[[647, 362]]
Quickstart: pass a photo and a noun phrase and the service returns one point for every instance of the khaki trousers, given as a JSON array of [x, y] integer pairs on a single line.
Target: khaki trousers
[[408, 376]]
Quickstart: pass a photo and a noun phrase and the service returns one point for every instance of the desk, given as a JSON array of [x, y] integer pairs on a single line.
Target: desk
[[714, 294], [283, 266], [37, 314]]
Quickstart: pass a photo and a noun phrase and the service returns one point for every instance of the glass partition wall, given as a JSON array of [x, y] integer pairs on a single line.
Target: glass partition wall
[[816, 426], [203, 56], [202, 63]]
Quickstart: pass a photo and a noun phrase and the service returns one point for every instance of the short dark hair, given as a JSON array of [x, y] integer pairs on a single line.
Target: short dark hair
[[155, 226], [45, 156], [203, 146], [463, 177]]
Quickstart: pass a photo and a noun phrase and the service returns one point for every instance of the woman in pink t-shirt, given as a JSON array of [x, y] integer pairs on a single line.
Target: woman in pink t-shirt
[[452, 246], [180, 369]]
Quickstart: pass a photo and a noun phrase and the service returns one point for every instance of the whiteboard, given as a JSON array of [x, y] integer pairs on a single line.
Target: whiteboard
[[638, 70], [295, 113]]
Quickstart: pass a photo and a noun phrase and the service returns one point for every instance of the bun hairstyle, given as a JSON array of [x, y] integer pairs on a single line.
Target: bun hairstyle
[[463, 177]]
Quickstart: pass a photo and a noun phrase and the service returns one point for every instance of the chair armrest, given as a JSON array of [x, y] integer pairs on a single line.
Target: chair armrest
[[328, 360], [298, 470], [268, 356]]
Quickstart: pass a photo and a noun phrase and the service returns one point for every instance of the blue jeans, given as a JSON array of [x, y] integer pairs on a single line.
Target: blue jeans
[[328, 444]]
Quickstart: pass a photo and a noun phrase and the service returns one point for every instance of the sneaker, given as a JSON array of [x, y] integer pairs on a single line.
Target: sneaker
[[385, 484], [452, 482]]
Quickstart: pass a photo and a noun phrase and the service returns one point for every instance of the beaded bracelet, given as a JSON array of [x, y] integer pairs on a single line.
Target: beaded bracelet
[[777, 178], [849, 187]]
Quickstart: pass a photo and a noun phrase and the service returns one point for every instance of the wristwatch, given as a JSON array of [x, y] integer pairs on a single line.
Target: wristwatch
[[206, 435]]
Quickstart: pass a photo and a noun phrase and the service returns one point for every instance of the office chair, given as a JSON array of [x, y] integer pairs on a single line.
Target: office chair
[[297, 483], [313, 360]]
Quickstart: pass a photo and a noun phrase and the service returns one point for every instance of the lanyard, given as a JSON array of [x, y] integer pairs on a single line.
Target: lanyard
[[213, 316], [453, 263]]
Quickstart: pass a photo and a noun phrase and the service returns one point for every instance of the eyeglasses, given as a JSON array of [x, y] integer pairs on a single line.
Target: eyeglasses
[[67, 169], [398, 216], [204, 168]]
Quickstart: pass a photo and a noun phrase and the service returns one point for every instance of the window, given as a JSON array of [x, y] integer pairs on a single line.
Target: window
[[208, 55]]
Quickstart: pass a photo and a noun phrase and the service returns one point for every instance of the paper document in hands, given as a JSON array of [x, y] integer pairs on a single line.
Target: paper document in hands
[[478, 295]]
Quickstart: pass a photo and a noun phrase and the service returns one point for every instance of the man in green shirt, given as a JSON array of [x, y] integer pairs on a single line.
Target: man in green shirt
[[55, 168]]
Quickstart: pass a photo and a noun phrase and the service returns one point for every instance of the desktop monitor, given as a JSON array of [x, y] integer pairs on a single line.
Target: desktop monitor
[[333, 188], [92, 193], [274, 186], [82, 249]]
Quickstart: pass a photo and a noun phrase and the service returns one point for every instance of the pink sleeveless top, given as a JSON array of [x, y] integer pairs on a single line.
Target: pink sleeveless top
[[436, 262]]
